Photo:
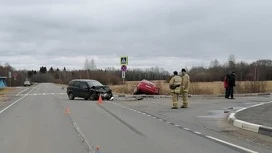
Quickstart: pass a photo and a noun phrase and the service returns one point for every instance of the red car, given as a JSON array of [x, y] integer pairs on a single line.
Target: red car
[[146, 87]]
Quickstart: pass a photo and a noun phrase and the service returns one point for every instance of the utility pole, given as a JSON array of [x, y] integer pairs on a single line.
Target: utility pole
[[256, 72], [9, 73]]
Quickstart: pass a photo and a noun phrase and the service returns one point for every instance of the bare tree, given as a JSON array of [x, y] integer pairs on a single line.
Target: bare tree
[[86, 64], [214, 63], [89, 65], [93, 65]]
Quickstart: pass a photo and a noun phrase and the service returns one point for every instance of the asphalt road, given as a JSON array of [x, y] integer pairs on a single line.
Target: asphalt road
[[263, 117], [36, 122]]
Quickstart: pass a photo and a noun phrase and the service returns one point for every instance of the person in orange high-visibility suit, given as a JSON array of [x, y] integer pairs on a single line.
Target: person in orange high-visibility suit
[[174, 85], [185, 84]]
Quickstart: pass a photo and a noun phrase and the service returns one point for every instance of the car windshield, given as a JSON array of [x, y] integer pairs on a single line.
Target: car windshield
[[94, 83]]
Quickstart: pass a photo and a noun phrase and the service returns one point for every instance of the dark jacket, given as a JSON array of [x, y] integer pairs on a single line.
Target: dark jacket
[[231, 81]]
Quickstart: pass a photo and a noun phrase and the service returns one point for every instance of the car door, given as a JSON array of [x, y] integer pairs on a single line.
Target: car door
[[70, 87], [76, 89], [83, 90]]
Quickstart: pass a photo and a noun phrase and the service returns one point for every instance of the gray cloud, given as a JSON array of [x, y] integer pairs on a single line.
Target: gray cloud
[[152, 33]]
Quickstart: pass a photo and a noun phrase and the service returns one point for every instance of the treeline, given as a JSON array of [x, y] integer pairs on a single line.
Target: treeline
[[260, 70], [107, 76], [21, 76], [153, 73], [110, 76]]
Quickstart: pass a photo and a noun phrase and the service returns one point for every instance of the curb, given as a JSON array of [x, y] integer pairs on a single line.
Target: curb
[[250, 126]]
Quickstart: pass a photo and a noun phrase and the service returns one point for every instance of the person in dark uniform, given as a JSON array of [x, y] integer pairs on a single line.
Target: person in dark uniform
[[231, 84]]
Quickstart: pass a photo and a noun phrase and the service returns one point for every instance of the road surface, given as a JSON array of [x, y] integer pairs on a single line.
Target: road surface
[[38, 120]]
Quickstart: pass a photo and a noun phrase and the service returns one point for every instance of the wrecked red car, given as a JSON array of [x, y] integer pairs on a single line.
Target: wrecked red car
[[146, 87]]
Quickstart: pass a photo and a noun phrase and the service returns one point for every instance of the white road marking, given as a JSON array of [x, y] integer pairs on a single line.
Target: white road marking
[[233, 145], [197, 132], [21, 91], [34, 94], [210, 137], [83, 138], [154, 117], [43, 94], [16, 101], [149, 115]]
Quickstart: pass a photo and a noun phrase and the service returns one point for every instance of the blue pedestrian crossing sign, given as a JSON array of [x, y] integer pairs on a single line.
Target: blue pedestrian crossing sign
[[124, 60]]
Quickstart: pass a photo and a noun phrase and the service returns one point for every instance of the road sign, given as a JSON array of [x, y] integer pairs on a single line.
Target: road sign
[[124, 68], [123, 74], [9, 74], [124, 60]]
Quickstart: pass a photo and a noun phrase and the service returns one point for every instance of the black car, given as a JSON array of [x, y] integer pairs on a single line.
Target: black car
[[88, 89]]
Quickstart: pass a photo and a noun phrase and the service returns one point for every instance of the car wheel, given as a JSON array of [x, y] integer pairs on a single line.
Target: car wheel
[[71, 96], [86, 98], [93, 96]]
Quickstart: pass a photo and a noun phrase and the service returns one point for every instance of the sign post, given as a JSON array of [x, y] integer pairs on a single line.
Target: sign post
[[124, 60], [124, 63], [14, 76], [124, 68], [9, 73]]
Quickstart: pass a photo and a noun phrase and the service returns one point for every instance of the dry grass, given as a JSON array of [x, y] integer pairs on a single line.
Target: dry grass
[[205, 88], [4, 91], [254, 87]]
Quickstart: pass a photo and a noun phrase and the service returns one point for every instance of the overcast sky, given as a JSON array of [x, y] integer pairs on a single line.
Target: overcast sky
[[167, 33]]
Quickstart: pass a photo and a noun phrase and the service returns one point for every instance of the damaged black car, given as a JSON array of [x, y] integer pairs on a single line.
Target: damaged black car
[[88, 89]]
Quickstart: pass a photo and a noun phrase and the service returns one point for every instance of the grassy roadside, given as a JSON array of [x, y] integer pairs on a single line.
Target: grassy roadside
[[198, 88], [202, 88], [4, 91]]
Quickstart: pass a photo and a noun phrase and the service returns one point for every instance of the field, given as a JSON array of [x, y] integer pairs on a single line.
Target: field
[[203, 88]]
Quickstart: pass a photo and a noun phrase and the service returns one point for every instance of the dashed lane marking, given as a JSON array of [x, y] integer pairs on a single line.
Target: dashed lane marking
[[41, 94], [191, 131]]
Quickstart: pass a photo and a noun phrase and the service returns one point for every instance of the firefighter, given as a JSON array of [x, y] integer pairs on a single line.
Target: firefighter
[[185, 83], [174, 85]]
